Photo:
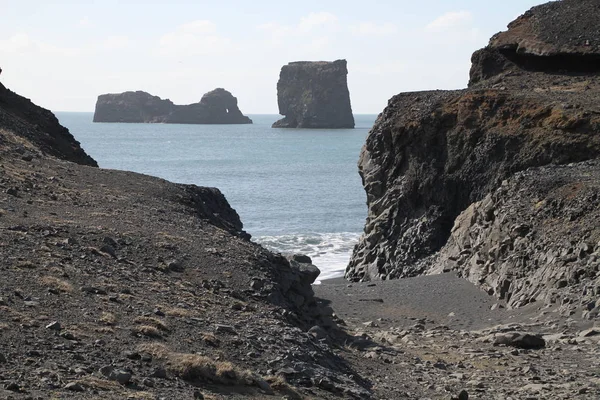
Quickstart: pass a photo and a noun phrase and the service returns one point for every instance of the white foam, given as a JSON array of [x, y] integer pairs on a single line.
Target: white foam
[[328, 251]]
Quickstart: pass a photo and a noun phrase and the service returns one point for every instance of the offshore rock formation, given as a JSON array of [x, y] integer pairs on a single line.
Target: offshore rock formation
[[216, 107], [32, 130], [533, 100], [314, 95]]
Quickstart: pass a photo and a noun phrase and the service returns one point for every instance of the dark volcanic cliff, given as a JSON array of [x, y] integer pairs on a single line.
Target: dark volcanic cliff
[[533, 100], [28, 128], [314, 95], [216, 107]]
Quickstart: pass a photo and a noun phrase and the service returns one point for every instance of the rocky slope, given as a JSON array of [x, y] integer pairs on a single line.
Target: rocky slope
[[314, 95], [432, 154], [119, 285], [216, 107]]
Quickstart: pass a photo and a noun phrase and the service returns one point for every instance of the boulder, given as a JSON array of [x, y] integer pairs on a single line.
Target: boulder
[[216, 107], [314, 95]]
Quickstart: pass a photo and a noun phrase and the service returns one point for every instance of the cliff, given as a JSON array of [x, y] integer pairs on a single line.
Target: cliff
[[314, 95], [31, 130], [216, 107], [533, 239], [430, 155]]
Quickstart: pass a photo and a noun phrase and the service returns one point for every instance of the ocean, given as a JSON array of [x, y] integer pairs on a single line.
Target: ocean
[[296, 190]]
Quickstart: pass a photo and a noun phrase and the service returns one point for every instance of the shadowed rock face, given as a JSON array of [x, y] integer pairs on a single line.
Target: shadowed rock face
[[26, 127], [561, 37], [533, 239], [314, 95], [216, 107], [431, 154]]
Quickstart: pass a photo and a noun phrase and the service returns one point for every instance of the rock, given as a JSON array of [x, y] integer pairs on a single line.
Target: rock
[[55, 326], [3, 359], [220, 328], [216, 107], [317, 332], [159, 373], [539, 39], [590, 332], [13, 387], [314, 95], [301, 258], [176, 266], [74, 387], [520, 340], [114, 374]]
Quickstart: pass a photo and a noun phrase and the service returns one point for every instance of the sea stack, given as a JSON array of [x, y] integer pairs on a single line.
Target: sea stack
[[533, 101], [314, 95], [216, 107]]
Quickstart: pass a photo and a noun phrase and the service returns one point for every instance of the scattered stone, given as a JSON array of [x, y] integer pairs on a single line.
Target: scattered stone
[[74, 387], [118, 375], [175, 266], [220, 328], [520, 340], [55, 326]]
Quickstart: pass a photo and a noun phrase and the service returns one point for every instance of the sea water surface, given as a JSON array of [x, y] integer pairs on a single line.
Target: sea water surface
[[296, 190]]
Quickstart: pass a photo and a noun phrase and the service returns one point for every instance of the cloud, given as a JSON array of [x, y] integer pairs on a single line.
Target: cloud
[[85, 22], [317, 20], [116, 42], [449, 21], [373, 29], [22, 44], [194, 38]]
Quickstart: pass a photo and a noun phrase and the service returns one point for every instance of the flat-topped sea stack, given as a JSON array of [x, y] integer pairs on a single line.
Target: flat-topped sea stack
[[533, 101], [314, 95], [216, 107]]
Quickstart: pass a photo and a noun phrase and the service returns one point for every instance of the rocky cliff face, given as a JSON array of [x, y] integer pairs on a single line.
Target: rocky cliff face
[[432, 154], [314, 95], [216, 107], [32, 130], [534, 239]]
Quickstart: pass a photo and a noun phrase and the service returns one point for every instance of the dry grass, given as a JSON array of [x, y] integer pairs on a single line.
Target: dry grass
[[280, 385], [150, 321], [147, 330], [194, 367], [93, 382], [210, 339], [177, 312], [13, 315], [142, 396], [58, 284], [108, 318]]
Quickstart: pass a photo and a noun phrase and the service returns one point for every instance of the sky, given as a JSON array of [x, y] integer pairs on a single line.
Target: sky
[[63, 54]]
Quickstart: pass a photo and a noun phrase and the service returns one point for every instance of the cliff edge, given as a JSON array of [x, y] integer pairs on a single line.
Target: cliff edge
[[30, 130], [216, 107], [314, 95], [430, 155]]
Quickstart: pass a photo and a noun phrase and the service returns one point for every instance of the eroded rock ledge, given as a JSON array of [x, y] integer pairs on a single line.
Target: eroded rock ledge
[[314, 95], [432, 154], [216, 107]]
